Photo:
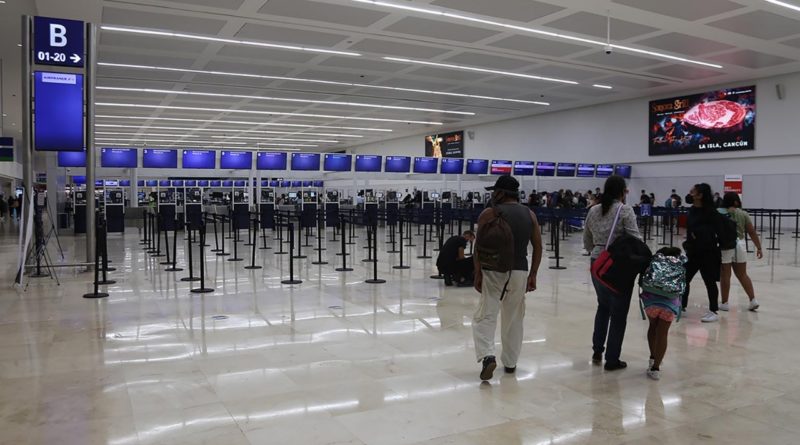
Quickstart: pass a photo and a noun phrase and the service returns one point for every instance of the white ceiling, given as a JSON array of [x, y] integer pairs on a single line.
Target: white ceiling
[[750, 38]]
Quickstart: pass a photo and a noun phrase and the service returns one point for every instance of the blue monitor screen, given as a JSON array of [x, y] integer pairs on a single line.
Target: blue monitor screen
[[271, 161], [240, 183], [152, 182], [191, 183], [203, 183], [177, 183], [58, 112], [307, 183], [286, 183], [72, 159], [477, 166], [337, 162], [216, 183], [140, 183], [604, 170], [305, 161], [110, 183], [319, 183], [297, 183], [159, 158], [274, 183], [623, 170], [125, 183], [119, 157], [397, 164], [98, 182], [227, 183], [164, 183], [501, 167], [368, 163], [586, 170], [452, 166], [426, 165], [545, 169], [236, 160], [206, 159], [80, 179], [566, 169], [523, 168]]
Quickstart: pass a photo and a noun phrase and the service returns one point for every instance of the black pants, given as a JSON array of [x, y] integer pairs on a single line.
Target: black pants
[[457, 271], [610, 321], [708, 264]]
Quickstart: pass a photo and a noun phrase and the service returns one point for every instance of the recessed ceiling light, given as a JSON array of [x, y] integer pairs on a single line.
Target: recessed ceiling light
[[19, 45], [468, 18], [179, 35], [284, 99], [276, 113], [227, 130], [607, 87], [251, 138], [784, 4], [326, 82], [157, 135], [217, 121], [149, 140], [480, 70]]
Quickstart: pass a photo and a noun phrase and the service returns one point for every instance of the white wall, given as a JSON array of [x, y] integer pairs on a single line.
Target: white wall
[[617, 133]]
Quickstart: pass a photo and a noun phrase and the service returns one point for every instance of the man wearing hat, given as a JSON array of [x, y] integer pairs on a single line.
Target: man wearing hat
[[505, 291]]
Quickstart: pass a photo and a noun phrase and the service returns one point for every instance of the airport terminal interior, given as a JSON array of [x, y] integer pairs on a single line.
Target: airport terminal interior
[[254, 221]]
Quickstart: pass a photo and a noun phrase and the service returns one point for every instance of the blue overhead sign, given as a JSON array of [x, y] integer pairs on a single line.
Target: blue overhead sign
[[58, 42]]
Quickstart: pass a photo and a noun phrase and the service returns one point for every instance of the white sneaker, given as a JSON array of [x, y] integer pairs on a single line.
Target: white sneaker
[[724, 307], [753, 305], [710, 317], [654, 375]]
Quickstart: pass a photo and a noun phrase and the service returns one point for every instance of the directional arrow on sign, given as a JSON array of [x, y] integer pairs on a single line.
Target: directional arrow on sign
[[75, 58]]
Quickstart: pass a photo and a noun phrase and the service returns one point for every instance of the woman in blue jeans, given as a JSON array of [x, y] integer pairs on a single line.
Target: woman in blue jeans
[[612, 309]]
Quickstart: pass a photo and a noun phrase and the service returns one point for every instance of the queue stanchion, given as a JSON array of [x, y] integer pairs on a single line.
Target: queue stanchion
[[393, 238], [97, 248], [557, 249], [796, 224], [556, 232], [409, 238], [668, 214], [424, 248], [202, 289], [167, 261], [235, 242], [343, 253], [174, 265], [291, 279], [249, 234], [222, 235], [191, 276], [144, 240], [264, 239], [103, 233], [352, 226], [375, 279], [401, 265], [216, 236], [772, 233], [158, 236], [297, 243], [319, 249], [370, 241], [253, 244], [320, 229], [279, 225], [150, 248]]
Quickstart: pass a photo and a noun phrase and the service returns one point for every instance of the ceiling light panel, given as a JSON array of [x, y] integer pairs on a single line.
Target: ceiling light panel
[[149, 140], [226, 130], [479, 70], [220, 121], [149, 135]]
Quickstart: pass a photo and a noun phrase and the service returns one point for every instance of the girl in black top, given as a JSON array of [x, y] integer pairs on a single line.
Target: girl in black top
[[702, 249]]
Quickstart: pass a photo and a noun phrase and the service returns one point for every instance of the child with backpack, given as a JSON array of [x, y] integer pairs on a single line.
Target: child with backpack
[[662, 286]]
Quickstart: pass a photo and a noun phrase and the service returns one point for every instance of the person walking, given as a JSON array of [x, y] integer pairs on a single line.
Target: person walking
[[703, 230], [605, 222], [736, 259], [504, 291]]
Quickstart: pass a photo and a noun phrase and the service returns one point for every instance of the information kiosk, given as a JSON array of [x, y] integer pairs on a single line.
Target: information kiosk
[[79, 209], [332, 208], [266, 206], [370, 207], [392, 208], [114, 204], [308, 209], [166, 205], [193, 205], [240, 206]]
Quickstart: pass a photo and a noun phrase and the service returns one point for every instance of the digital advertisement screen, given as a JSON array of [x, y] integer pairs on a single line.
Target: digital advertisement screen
[[501, 167], [368, 163], [566, 169], [716, 121], [452, 166], [159, 158], [586, 170], [58, 112], [545, 169], [119, 157], [523, 168], [623, 170], [72, 159], [305, 161], [397, 164], [604, 170], [152, 182], [445, 145], [337, 162], [426, 165], [236, 160], [199, 159], [271, 161], [477, 166]]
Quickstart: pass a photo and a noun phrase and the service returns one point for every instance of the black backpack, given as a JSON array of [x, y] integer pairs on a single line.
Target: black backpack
[[726, 238], [494, 244]]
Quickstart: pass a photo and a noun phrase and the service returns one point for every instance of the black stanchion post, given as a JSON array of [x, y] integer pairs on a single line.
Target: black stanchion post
[[174, 263], [96, 293], [371, 239], [375, 279], [191, 276], [102, 232], [297, 243], [343, 253], [556, 228], [235, 242], [166, 262], [279, 224], [252, 244], [320, 230], [158, 236], [401, 265], [424, 247], [216, 236], [772, 232], [203, 289], [222, 235], [144, 241], [291, 279], [557, 247], [796, 224]]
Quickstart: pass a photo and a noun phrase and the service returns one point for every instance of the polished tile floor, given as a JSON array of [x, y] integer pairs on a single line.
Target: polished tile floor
[[337, 361]]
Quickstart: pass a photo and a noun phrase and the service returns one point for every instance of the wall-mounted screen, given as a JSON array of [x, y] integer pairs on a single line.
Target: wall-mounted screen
[[297, 183], [337, 162], [203, 183], [623, 170], [236, 160], [274, 183], [305, 161], [177, 182], [191, 183], [426, 165], [111, 182], [452, 166], [566, 169], [227, 183], [523, 168], [286, 183], [586, 170], [79, 179], [445, 145], [271, 161], [119, 157], [215, 183], [545, 169], [72, 159], [319, 183], [164, 183], [397, 164], [125, 183], [159, 158], [604, 170], [716, 121], [152, 183], [140, 183], [368, 163], [477, 166], [201, 159], [501, 167], [240, 183], [307, 183]]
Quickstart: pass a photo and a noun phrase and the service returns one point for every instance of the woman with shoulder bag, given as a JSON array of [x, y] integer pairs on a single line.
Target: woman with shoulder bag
[[703, 228], [604, 222]]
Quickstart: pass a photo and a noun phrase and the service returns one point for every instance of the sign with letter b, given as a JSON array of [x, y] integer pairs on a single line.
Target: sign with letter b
[[58, 42]]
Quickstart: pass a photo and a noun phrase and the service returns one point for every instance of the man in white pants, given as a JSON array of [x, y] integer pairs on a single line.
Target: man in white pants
[[505, 291]]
